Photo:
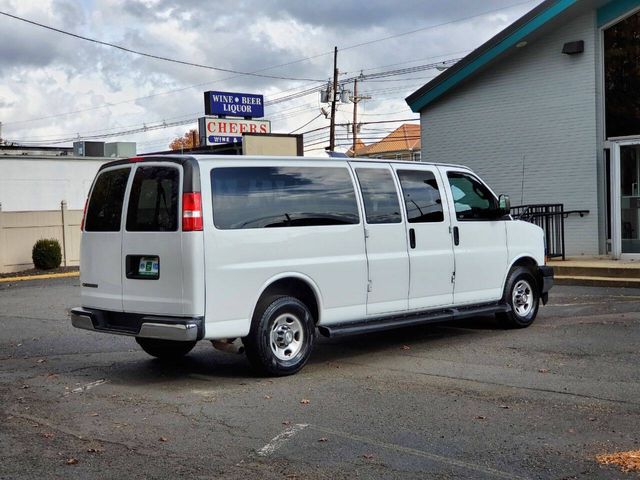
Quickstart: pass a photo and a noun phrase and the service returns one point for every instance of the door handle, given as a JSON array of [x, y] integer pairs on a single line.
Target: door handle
[[412, 238], [456, 236]]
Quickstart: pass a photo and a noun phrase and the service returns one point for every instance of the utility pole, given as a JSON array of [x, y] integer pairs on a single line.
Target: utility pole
[[356, 99], [332, 130]]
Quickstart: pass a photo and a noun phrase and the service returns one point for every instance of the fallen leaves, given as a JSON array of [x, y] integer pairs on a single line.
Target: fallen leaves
[[71, 461], [626, 461], [481, 417], [368, 456], [95, 450], [543, 370], [163, 439], [305, 401], [48, 435], [323, 439], [406, 347]]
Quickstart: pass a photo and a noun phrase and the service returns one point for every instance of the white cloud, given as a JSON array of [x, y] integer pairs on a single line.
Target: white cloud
[[44, 73]]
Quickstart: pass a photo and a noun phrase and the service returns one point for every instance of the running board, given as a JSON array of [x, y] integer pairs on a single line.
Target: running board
[[389, 323]]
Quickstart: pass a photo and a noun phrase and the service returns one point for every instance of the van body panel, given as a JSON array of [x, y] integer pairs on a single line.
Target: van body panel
[[431, 259], [385, 240], [524, 240], [481, 258], [101, 281], [101, 244], [239, 262]]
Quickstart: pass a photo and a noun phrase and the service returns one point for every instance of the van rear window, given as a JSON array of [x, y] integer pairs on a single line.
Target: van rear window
[[153, 202], [267, 197], [104, 211]]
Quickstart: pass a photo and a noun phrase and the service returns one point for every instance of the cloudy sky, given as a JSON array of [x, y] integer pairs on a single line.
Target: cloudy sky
[[54, 87]]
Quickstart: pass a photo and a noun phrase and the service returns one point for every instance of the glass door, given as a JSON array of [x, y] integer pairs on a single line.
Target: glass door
[[625, 180], [630, 198]]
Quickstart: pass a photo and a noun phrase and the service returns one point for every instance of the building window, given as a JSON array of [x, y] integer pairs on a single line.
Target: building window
[[622, 77]]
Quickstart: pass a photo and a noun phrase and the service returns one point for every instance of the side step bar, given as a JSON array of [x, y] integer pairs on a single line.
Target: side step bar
[[389, 323]]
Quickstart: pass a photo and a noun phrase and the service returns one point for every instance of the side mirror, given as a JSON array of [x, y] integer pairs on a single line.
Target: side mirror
[[504, 205]]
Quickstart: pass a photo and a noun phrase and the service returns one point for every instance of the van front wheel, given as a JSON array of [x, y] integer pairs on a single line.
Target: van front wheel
[[282, 336], [165, 349], [522, 295]]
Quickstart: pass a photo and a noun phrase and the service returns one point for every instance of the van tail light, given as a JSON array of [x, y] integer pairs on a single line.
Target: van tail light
[[191, 212], [84, 214]]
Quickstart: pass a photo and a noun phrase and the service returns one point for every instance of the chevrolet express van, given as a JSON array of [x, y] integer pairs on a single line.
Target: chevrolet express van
[[270, 251]]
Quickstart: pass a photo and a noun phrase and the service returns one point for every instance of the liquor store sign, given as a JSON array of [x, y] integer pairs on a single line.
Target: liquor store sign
[[229, 130], [246, 105]]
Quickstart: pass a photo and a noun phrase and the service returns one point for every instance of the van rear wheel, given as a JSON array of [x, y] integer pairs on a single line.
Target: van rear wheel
[[282, 336], [165, 349]]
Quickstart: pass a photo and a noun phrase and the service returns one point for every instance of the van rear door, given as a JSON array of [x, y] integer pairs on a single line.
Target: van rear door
[[101, 246], [152, 259]]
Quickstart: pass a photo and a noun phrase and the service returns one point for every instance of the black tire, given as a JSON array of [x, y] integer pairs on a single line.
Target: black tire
[[165, 349], [277, 320], [522, 295]]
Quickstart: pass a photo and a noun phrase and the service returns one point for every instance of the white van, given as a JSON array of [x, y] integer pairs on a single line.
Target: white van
[[177, 249]]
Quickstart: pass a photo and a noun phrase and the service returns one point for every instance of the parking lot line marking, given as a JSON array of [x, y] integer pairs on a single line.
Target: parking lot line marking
[[279, 440], [420, 453], [88, 386]]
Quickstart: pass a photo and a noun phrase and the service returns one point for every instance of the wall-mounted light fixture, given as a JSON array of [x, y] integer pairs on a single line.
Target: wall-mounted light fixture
[[573, 48]]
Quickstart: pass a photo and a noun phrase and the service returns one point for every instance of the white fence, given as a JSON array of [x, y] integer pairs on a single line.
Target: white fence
[[19, 231]]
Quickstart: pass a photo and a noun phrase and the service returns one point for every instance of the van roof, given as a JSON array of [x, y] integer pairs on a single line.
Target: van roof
[[184, 158]]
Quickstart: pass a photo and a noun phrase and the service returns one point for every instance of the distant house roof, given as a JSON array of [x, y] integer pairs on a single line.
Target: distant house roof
[[546, 16], [405, 138]]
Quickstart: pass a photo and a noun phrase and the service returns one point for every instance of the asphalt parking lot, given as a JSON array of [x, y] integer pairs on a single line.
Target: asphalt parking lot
[[464, 400]]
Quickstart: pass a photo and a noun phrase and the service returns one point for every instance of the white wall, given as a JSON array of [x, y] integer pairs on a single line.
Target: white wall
[[41, 183], [538, 107]]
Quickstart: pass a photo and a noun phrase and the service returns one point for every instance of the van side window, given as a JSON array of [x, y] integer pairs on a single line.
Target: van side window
[[380, 195], [421, 196], [104, 210], [153, 202], [472, 199], [267, 197]]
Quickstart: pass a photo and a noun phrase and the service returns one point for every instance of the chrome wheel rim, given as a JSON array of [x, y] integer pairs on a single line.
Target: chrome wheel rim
[[522, 298], [287, 336]]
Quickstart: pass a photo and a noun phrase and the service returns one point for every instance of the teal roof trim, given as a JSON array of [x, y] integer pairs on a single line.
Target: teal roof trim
[[615, 9], [491, 54]]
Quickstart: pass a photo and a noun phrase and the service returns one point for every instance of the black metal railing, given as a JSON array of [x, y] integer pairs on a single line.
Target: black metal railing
[[549, 217]]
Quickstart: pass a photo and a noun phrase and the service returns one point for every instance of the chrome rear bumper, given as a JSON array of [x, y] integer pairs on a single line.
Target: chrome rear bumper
[[178, 329]]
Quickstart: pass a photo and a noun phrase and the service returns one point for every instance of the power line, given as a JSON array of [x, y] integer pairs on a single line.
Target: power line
[[150, 55], [263, 69], [308, 123]]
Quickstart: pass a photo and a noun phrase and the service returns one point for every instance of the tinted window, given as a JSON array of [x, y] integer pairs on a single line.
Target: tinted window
[[264, 197], [105, 206], [421, 196], [379, 195], [153, 203], [472, 199]]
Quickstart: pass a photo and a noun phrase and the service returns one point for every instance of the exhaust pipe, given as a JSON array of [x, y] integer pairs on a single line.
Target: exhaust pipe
[[229, 345]]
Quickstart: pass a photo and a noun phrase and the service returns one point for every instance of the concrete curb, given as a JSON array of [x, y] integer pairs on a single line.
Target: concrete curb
[[44, 276]]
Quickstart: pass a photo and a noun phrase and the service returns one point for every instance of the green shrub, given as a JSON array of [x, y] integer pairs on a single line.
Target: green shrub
[[46, 254]]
